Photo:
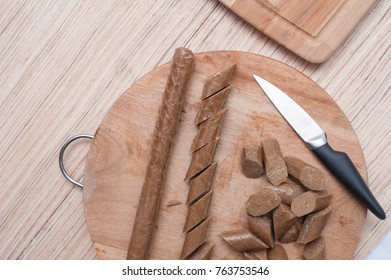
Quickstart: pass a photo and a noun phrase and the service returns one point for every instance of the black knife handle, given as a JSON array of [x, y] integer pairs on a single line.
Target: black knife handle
[[343, 168]]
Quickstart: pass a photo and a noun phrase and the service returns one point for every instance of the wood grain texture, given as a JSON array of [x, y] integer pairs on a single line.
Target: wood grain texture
[[64, 63], [311, 29], [308, 15], [120, 153]]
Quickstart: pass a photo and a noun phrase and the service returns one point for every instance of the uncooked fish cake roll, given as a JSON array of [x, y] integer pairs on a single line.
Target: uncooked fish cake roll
[[163, 139]]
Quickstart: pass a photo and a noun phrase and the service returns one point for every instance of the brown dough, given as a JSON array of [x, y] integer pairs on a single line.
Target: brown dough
[[286, 191], [259, 255], [203, 252], [277, 253], [209, 130], [283, 219], [263, 202], [203, 149], [218, 82], [162, 142], [194, 239], [262, 228], [251, 161], [201, 184], [201, 159], [173, 202], [309, 202], [242, 240], [313, 225], [197, 212], [293, 232], [308, 175], [275, 167], [315, 250], [212, 105]]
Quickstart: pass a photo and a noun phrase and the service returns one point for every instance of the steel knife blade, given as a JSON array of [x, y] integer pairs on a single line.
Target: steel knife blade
[[313, 135]]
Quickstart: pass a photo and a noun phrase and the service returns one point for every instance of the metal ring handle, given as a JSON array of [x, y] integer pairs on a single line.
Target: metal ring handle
[[61, 157]]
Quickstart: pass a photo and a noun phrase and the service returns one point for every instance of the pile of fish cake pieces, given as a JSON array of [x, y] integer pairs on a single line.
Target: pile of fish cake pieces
[[283, 211]]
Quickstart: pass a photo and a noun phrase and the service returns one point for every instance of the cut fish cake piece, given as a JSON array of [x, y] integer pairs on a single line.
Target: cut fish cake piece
[[243, 240], [313, 225], [309, 202], [276, 171], [251, 161], [309, 176], [262, 202]]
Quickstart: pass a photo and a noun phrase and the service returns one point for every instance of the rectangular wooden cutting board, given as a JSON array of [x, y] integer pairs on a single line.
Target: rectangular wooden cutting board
[[312, 29]]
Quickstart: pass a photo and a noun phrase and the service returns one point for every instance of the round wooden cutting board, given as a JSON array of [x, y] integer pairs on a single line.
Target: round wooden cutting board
[[119, 155]]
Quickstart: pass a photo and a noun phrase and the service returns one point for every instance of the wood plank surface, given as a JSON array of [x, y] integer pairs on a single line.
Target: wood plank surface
[[309, 15], [64, 63]]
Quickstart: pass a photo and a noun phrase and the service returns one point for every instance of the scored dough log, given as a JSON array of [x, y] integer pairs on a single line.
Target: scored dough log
[[201, 159], [201, 170], [218, 82], [162, 142], [201, 184], [194, 239], [198, 211], [212, 105], [203, 252], [208, 131]]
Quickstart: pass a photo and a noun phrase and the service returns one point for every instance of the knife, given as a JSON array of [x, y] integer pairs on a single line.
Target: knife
[[312, 134]]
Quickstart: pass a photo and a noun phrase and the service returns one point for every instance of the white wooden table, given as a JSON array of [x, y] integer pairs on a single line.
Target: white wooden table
[[63, 64]]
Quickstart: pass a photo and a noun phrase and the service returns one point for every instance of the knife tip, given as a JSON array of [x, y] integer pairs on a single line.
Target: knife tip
[[259, 80]]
